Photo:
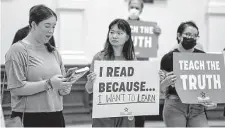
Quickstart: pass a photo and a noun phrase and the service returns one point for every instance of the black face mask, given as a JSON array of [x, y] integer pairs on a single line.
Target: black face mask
[[188, 43]]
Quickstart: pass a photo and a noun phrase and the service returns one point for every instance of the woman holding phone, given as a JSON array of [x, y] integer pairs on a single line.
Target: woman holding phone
[[35, 73]]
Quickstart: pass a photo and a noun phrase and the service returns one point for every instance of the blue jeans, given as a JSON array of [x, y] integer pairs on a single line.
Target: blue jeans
[[178, 114], [113, 122]]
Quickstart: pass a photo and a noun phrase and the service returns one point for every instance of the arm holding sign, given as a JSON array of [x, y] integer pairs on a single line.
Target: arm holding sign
[[166, 79], [210, 106], [91, 77], [157, 30], [162, 75], [207, 104]]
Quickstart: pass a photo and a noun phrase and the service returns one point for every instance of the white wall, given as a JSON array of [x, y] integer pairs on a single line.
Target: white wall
[[216, 25], [170, 15], [14, 15], [99, 13]]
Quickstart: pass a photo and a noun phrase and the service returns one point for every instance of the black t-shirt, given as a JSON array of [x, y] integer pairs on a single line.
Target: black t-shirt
[[167, 65]]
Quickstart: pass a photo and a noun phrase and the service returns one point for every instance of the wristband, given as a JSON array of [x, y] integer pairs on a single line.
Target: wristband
[[59, 93], [49, 84]]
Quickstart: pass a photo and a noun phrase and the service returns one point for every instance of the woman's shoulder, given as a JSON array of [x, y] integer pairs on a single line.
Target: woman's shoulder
[[17, 47], [99, 56], [169, 54], [198, 51], [15, 51]]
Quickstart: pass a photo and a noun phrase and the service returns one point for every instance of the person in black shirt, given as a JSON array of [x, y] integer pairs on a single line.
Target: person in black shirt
[[176, 113]]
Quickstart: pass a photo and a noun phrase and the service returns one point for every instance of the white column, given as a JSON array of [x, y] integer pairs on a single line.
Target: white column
[[216, 25]]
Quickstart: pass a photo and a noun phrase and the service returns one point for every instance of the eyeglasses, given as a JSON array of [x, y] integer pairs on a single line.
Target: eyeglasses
[[189, 35]]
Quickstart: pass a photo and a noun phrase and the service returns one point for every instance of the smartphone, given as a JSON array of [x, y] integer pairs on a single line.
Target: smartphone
[[77, 74], [70, 72], [85, 69]]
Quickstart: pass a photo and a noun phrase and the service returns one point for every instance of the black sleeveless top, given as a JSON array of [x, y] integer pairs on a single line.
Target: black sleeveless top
[[167, 65]]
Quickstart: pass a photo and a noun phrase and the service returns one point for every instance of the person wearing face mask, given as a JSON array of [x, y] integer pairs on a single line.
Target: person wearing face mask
[[176, 113], [135, 8], [197, 46]]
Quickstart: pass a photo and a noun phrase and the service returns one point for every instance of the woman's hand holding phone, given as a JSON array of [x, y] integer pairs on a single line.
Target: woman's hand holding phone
[[70, 73], [74, 74]]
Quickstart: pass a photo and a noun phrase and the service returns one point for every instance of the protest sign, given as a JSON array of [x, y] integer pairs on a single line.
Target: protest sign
[[125, 88], [200, 77], [144, 39]]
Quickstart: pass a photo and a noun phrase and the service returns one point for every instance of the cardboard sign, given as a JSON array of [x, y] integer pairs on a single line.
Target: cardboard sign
[[125, 88], [200, 77], [144, 39]]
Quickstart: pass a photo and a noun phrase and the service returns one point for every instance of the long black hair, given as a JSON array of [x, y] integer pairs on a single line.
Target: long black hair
[[39, 13], [128, 48]]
